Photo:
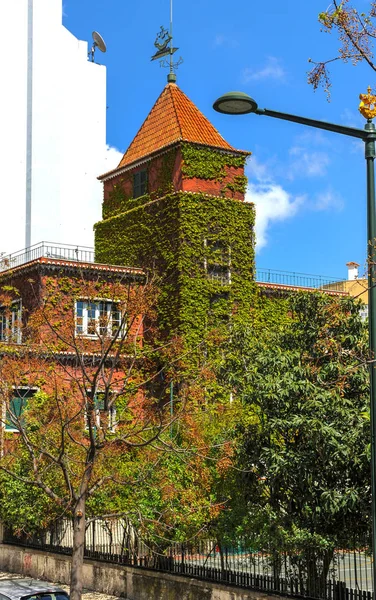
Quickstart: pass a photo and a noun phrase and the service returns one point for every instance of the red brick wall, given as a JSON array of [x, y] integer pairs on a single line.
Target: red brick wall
[[215, 188], [178, 183], [32, 288]]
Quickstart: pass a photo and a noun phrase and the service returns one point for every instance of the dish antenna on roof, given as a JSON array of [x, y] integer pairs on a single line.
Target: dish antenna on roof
[[98, 42]]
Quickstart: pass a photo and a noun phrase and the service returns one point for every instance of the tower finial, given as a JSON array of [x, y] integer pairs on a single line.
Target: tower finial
[[165, 47]]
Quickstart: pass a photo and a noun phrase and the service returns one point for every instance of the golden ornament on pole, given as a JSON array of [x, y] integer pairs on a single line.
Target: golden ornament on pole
[[367, 106]]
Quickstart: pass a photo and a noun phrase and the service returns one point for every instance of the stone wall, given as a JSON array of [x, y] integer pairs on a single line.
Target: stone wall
[[126, 582]]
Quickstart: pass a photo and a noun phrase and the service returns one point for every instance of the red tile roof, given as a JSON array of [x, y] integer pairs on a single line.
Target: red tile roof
[[173, 118], [66, 263]]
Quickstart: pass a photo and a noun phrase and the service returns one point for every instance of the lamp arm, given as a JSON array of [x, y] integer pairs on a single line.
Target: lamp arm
[[350, 131]]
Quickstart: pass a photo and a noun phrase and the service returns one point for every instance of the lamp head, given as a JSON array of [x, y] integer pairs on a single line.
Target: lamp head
[[235, 103]]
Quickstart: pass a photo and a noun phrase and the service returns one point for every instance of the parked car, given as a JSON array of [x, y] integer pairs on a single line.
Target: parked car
[[30, 589]]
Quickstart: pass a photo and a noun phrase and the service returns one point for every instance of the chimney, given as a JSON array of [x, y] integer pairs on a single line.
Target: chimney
[[352, 270]]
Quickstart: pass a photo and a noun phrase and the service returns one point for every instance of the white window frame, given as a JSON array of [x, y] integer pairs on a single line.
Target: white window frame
[[224, 279], [11, 320], [88, 305]]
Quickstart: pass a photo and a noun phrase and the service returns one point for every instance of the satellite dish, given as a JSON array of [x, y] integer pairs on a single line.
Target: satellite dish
[[98, 43]]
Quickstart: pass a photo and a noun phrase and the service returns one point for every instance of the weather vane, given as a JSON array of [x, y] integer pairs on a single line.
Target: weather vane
[[164, 46]]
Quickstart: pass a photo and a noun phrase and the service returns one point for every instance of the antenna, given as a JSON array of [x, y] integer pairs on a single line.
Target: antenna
[[98, 42], [165, 47]]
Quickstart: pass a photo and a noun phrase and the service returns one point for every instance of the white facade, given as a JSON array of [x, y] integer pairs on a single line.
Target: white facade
[[52, 128]]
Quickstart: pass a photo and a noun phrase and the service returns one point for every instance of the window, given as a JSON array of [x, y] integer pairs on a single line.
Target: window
[[103, 414], [140, 181], [17, 405], [97, 318], [10, 323], [217, 261]]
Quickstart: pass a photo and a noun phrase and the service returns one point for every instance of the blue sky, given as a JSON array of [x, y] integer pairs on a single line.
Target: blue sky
[[309, 185]]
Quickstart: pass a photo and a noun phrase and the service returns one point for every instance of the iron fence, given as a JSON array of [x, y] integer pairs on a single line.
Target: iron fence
[[299, 280], [340, 573], [48, 250]]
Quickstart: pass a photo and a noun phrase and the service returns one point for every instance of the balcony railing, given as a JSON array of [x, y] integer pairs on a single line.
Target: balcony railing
[[86, 254], [302, 280], [48, 250]]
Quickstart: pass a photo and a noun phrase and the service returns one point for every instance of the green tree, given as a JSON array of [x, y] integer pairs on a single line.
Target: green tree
[[305, 454], [97, 438]]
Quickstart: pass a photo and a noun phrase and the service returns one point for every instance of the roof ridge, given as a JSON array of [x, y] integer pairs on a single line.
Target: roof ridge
[[174, 105], [144, 121]]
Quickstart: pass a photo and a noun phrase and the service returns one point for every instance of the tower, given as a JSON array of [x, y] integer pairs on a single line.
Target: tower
[[175, 206]]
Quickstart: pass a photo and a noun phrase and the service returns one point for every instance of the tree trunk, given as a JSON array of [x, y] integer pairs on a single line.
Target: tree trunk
[[318, 565], [79, 523]]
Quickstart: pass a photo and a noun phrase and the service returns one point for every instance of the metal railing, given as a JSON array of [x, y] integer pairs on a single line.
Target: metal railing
[[48, 250], [338, 573], [86, 254], [303, 280]]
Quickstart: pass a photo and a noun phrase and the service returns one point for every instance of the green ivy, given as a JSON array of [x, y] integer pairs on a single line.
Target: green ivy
[[238, 184], [170, 236], [117, 200], [206, 163]]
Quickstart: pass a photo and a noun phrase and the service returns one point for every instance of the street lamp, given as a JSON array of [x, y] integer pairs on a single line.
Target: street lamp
[[239, 103]]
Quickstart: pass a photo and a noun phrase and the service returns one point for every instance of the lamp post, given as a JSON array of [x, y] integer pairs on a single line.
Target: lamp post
[[239, 103]]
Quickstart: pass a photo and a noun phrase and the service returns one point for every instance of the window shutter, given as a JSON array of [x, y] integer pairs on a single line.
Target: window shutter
[[99, 399], [17, 405]]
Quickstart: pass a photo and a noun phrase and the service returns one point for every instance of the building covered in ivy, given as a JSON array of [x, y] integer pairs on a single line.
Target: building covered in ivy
[[175, 207]]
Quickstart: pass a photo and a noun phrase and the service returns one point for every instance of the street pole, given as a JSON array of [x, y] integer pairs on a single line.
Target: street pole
[[371, 256], [237, 103]]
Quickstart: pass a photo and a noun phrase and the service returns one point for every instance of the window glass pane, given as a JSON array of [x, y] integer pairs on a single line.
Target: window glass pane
[[140, 183], [103, 317], [79, 325], [15, 322], [115, 319], [91, 309], [219, 273]]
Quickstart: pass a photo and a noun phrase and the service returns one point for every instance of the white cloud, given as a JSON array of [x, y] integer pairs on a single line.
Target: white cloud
[[258, 170], [273, 203], [328, 200], [311, 164], [271, 70], [112, 158]]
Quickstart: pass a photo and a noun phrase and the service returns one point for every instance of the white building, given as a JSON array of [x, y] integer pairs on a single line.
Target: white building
[[52, 128]]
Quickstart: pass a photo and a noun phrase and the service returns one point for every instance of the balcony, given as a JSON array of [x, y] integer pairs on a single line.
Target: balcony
[[221, 275], [299, 280], [47, 250]]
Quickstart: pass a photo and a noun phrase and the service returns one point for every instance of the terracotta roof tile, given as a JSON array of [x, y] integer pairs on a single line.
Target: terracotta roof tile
[[173, 118]]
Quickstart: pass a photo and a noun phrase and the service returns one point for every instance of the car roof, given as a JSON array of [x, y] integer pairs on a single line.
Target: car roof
[[18, 588]]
